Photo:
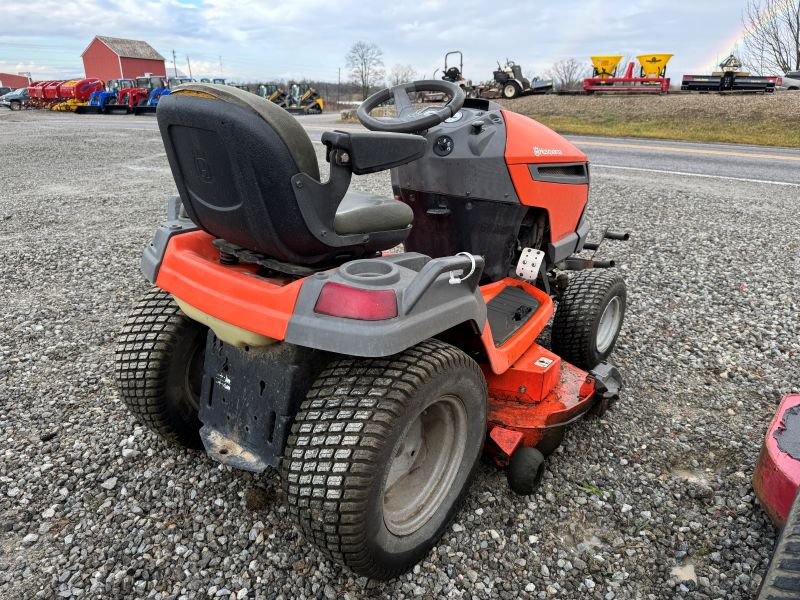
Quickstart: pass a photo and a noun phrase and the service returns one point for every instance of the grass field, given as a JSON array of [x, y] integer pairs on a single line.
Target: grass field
[[766, 120]]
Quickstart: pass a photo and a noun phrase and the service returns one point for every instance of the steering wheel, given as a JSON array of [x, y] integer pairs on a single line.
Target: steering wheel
[[408, 120]]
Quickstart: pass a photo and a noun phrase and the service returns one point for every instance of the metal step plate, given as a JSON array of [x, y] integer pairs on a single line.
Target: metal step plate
[[529, 264]]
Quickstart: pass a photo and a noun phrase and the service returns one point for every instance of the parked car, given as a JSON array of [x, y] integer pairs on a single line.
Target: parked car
[[15, 100], [4, 90], [791, 82]]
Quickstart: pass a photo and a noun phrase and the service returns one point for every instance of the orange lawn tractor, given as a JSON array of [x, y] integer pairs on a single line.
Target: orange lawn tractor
[[283, 331]]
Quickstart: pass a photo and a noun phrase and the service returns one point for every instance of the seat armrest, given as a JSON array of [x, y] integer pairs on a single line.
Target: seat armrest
[[369, 152]]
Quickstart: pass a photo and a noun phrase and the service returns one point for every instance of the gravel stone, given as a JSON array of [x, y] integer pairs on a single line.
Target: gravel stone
[[713, 289]]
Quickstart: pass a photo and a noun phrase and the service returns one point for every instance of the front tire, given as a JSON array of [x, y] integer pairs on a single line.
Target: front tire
[[381, 454], [159, 368], [15, 105], [589, 318]]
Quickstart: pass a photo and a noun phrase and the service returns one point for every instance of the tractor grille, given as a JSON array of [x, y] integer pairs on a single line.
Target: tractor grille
[[561, 173], [561, 170]]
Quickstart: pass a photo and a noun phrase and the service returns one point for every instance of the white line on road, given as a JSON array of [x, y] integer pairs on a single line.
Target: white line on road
[[686, 174]]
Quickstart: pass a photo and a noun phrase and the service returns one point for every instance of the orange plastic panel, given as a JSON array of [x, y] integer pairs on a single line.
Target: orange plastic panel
[[506, 439], [529, 142], [503, 357], [235, 294]]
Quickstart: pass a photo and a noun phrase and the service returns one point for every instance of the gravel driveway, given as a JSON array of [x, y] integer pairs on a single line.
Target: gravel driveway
[[652, 501]]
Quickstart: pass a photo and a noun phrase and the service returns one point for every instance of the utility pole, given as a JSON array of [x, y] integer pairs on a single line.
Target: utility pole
[[220, 65], [339, 87], [189, 64], [174, 64]]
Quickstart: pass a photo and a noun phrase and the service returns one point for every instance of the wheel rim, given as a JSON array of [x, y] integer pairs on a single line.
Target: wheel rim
[[509, 91], [609, 324], [424, 465]]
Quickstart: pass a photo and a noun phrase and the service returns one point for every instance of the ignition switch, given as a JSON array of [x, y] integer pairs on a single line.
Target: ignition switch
[[443, 145]]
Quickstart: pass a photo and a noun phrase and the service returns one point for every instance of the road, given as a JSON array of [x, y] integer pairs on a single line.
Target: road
[[723, 162]]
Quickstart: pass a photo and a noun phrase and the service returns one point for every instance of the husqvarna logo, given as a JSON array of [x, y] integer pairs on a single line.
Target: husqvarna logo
[[546, 151]]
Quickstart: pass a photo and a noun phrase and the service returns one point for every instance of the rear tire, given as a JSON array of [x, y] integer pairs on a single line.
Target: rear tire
[[159, 368], [381, 454], [15, 105], [589, 317], [511, 90]]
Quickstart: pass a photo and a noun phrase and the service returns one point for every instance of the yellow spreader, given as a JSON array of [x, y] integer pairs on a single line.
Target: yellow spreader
[[604, 66], [654, 65]]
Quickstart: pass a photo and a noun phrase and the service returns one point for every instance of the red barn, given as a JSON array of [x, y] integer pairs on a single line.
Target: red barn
[[113, 58], [13, 81]]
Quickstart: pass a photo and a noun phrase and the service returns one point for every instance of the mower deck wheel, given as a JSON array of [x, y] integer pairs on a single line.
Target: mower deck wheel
[[525, 471], [589, 317], [381, 454], [159, 368]]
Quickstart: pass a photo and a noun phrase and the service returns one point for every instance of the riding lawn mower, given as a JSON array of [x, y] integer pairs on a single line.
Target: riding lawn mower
[[284, 329]]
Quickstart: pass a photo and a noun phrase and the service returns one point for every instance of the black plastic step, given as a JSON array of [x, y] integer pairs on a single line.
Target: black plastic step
[[508, 311], [782, 581]]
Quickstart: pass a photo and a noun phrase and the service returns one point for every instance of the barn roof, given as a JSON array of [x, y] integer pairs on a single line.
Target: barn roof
[[128, 48]]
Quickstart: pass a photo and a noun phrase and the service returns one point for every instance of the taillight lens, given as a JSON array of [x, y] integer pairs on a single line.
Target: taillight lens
[[337, 300]]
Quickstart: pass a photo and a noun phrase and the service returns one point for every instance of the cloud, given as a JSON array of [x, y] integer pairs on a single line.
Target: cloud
[[262, 40]]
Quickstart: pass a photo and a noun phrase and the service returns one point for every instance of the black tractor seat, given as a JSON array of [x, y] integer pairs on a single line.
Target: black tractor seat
[[247, 173], [363, 213]]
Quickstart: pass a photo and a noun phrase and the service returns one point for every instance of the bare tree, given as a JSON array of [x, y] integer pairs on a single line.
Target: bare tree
[[772, 36], [401, 74], [568, 74], [365, 61]]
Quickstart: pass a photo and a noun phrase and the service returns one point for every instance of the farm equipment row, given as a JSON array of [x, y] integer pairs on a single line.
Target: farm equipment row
[[92, 96], [649, 76]]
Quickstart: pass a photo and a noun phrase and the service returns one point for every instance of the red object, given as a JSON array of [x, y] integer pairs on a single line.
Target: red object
[[192, 272], [626, 83], [339, 300], [14, 81], [535, 412], [132, 96], [564, 203], [52, 91], [114, 58], [777, 474], [507, 440], [81, 90]]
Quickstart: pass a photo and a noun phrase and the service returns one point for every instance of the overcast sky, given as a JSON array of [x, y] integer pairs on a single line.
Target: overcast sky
[[309, 38]]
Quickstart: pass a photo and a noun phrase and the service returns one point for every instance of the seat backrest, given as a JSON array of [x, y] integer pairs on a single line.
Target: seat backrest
[[232, 156]]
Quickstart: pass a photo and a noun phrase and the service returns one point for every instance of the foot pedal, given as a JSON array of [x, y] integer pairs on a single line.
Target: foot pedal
[[529, 264]]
